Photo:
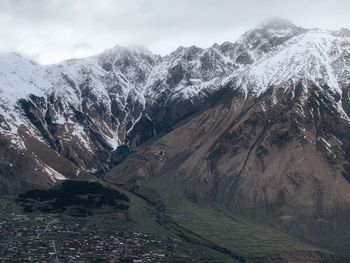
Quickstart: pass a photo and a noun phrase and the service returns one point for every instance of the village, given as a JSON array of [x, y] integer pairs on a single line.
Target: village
[[46, 238]]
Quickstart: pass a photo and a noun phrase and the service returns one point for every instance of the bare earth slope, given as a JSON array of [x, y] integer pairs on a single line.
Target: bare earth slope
[[255, 157]]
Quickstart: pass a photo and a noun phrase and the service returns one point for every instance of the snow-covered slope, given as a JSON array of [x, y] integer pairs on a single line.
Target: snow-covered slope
[[20, 77], [316, 55], [79, 108], [83, 109]]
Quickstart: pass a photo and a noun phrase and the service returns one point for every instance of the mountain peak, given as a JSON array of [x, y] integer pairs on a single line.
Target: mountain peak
[[130, 48], [276, 23]]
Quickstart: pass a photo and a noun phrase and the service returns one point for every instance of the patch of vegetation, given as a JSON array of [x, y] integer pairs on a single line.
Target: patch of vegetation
[[78, 198], [246, 237]]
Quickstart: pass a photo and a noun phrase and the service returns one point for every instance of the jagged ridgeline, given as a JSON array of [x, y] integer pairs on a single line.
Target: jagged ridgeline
[[76, 198]]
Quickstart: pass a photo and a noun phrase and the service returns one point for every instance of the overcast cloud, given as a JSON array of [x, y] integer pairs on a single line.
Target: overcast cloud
[[49, 31]]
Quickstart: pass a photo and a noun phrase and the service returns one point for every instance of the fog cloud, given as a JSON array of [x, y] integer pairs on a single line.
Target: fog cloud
[[52, 30]]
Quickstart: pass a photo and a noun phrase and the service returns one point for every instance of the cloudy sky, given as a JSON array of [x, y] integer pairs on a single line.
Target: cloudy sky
[[49, 31]]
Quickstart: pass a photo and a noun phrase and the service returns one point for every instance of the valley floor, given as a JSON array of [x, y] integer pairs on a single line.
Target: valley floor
[[173, 230], [105, 237]]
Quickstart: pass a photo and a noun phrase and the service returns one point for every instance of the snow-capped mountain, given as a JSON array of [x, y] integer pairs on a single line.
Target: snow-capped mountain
[[87, 112], [264, 132]]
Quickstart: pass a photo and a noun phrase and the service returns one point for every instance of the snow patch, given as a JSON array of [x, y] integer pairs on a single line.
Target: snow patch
[[53, 174]]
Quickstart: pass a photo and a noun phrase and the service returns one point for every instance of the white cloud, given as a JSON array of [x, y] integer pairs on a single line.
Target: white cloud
[[52, 30]]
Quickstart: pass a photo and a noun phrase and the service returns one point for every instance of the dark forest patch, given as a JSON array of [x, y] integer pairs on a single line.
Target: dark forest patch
[[76, 198]]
